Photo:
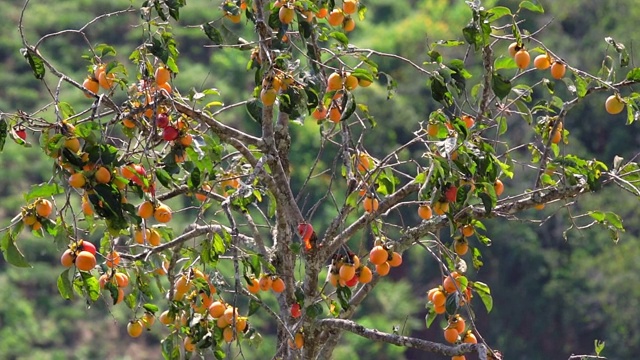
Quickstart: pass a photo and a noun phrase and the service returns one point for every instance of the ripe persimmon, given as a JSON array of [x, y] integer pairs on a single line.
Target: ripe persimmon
[[383, 269], [349, 25], [227, 333], [322, 13], [85, 261], [134, 328], [438, 298], [205, 188], [146, 210], [347, 272], [319, 113], [268, 96], [451, 283], [166, 318], [336, 17], [425, 212], [77, 180], [469, 121], [441, 207], [522, 59], [334, 114], [112, 259], [44, 208], [350, 6], [498, 187], [366, 275], [90, 84], [558, 70], [556, 136], [102, 175], [277, 285], [216, 309], [253, 286], [514, 48], [122, 280], [265, 282], [363, 162], [378, 255], [162, 213], [614, 105], [469, 338], [73, 144], [162, 75], [461, 246], [370, 204], [542, 62], [286, 14], [451, 335], [396, 259], [334, 82], [188, 344], [467, 230], [154, 238], [458, 323], [140, 236], [67, 259]]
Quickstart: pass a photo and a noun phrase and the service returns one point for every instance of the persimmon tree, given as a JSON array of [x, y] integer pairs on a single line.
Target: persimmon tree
[[144, 143]]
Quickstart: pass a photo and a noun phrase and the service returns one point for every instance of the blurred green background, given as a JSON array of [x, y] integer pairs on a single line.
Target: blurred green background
[[552, 297]]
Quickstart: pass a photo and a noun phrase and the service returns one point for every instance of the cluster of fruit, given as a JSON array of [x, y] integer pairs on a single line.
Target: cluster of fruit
[[274, 84], [337, 17], [541, 62], [35, 213], [98, 78], [135, 326], [384, 259], [267, 282], [346, 270], [148, 236], [453, 285], [161, 212], [118, 279], [80, 253], [339, 83], [614, 103]]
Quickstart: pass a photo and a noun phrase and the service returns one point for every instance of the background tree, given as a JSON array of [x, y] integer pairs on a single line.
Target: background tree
[[145, 136]]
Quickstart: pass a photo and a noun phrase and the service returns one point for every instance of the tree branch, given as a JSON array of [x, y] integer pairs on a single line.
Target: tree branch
[[405, 341]]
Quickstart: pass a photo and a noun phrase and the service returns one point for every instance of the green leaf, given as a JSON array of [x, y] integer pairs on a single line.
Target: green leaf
[[103, 50], [344, 295], [598, 346], [66, 110], [314, 310], [633, 74], [500, 86], [342, 38], [11, 253], [4, 130], [151, 308], [452, 304], [531, 6], [36, 63], [504, 62], [254, 306], [90, 285], [254, 109], [212, 33], [497, 12], [43, 191], [64, 285], [431, 315], [485, 294]]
